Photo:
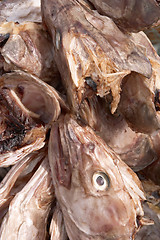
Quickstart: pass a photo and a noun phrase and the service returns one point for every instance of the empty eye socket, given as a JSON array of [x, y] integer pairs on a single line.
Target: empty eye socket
[[100, 181]]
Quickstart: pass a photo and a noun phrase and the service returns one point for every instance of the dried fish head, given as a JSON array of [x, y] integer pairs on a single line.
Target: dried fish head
[[136, 149], [99, 195], [18, 176], [28, 106], [130, 15], [140, 96], [90, 46], [30, 207], [28, 48]]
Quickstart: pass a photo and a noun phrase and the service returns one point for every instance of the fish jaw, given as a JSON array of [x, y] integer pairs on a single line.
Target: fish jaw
[[91, 47], [75, 156]]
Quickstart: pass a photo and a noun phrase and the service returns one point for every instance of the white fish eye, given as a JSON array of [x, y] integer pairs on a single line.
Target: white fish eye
[[100, 181]]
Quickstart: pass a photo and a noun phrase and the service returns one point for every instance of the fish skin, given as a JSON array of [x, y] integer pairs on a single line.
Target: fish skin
[[30, 207], [28, 48], [87, 44], [17, 177], [57, 228], [130, 15], [137, 103], [137, 150], [75, 153]]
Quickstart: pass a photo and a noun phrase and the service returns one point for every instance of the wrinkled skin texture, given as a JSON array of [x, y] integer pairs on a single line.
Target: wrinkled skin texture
[[28, 106], [90, 47], [151, 232], [130, 15], [17, 177], [20, 10], [75, 155], [136, 149], [57, 228], [139, 101], [28, 48], [30, 207]]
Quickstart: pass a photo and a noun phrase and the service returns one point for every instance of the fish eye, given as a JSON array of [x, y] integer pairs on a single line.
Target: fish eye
[[100, 181]]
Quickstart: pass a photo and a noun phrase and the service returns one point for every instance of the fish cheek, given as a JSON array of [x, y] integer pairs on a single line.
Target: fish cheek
[[100, 216], [110, 218]]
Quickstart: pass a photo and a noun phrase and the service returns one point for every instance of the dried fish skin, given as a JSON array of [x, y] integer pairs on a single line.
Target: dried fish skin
[[28, 106], [130, 15], [137, 104], [28, 48], [20, 11], [88, 45], [139, 96], [18, 176], [31, 207], [136, 149], [76, 157], [57, 228]]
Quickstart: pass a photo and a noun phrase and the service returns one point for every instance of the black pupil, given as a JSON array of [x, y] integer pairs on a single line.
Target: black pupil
[[100, 181]]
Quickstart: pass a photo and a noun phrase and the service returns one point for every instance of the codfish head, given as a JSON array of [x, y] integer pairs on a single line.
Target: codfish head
[[27, 108], [90, 51], [100, 196]]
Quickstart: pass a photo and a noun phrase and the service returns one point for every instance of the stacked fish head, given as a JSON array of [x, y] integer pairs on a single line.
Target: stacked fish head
[[100, 196]]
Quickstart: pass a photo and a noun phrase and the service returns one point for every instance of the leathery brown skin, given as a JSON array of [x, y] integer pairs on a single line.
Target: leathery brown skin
[[28, 211], [90, 46], [139, 102], [130, 15], [137, 150], [99, 195]]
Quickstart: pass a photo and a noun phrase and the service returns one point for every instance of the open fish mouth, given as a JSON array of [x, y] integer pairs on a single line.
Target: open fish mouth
[[25, 121]]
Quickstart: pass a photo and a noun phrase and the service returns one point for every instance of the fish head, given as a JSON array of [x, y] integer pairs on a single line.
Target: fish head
[[100, 196]]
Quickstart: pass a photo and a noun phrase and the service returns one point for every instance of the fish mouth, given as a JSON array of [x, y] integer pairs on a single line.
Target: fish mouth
[[13, 124]]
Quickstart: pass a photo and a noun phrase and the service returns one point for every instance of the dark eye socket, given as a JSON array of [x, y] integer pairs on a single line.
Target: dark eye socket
[[100, 181]]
